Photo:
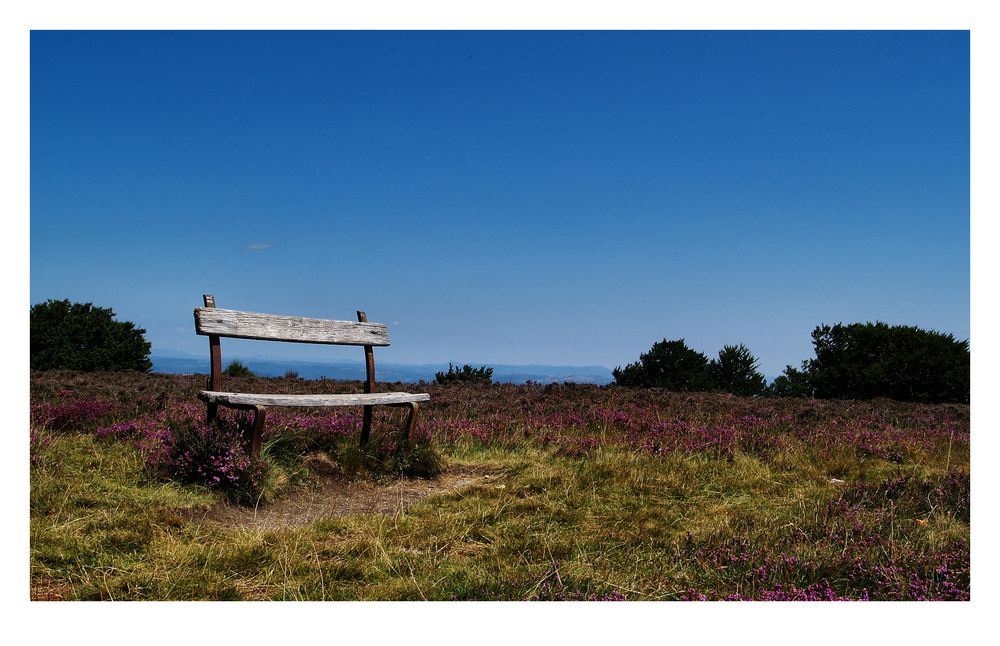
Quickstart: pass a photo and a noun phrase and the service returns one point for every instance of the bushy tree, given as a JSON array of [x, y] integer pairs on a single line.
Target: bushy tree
[[865, 360], [466, 374], [80, 336], [792, 383], [736, 371], [668, 364]]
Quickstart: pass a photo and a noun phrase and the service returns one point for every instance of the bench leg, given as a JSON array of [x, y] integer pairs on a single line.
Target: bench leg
[[213, 412], [260, 414], [411, 420], [408, 429]]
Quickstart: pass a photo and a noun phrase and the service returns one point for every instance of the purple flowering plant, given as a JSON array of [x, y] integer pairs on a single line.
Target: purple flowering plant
[[917, 457]]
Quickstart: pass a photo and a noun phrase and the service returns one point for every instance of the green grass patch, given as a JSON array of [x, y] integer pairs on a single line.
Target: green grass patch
[[614, 523]]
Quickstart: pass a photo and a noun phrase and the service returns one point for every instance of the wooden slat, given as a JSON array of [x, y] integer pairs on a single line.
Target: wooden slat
[[276, 327], [361, 399]]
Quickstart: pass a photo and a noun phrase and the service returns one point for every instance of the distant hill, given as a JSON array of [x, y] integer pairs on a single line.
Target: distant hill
[[407, 373]]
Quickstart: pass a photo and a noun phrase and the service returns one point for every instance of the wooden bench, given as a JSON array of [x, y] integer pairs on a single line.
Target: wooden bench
[[215, 323]]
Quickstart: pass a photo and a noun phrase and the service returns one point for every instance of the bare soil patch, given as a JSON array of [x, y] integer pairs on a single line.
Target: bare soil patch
[[337, 497]]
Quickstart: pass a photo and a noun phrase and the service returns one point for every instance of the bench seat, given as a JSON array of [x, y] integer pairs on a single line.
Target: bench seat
[[360, 399]]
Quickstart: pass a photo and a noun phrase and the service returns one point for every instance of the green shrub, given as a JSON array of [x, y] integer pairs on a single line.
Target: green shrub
[[237, 369], [385, 457], [867, 360], [668, 364], [80, 336], [791, 383], [412, 459], [735, 371], [466, 374]]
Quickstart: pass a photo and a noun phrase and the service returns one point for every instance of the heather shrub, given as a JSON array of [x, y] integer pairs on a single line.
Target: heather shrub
[[73, 415], [214, 455]]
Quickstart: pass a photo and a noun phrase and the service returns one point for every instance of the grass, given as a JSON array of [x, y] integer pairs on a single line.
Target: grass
[[578, 513]]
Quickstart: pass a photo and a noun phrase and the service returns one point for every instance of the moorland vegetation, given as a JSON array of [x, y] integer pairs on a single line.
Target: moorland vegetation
[[681, 482], [598, 493]]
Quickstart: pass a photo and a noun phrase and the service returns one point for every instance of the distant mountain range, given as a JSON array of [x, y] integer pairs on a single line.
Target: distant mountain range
[[407, 373]]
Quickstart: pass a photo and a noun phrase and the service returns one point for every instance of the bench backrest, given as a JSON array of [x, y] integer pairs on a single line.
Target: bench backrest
[[275, 327], [215, 323]]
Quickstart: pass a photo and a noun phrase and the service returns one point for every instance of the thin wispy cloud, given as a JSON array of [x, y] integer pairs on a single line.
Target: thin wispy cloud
[[258, 246]]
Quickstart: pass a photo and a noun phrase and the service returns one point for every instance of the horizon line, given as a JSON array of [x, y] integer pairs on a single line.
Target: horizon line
[[235, 355]]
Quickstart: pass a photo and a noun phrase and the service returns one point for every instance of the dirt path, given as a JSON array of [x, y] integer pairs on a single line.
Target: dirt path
[[336, 497]]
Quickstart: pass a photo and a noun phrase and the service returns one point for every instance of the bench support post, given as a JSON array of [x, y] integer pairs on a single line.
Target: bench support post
[[215, 376], [260, 414], [366, 419], [411, 420]]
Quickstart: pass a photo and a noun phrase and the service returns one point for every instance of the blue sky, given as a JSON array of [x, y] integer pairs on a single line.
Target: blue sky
[[508, 197]]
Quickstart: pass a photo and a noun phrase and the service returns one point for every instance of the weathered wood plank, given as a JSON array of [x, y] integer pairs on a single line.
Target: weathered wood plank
[[276, 327], [360, 399]]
